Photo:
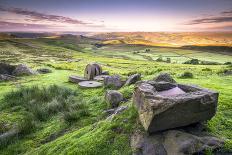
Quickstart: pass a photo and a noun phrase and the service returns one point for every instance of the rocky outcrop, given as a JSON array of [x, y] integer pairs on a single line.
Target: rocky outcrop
[[113, 81], [133, 79], [174, 142], [175, 105], [113, 98], [23, 70]]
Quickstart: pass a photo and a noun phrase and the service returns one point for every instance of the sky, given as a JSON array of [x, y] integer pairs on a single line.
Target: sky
[[115, 15]]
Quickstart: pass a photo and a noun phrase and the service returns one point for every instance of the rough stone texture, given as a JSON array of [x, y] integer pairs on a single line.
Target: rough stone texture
[[100, 77], [173, 142], [89, 84], [116, 111], [92, 70], [160, 112], [113, 98], [133, 79], [113, 81], [6, 69], [23, 70], [76, 79], [44, 70], [6, 77], [164, 77]]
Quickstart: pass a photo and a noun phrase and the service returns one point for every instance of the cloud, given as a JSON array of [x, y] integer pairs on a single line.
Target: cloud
[[14, 25], [34, 16], [225, 16]]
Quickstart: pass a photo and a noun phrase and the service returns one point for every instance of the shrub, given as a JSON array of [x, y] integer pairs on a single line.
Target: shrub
[[42, 103], [207, 69], [186, 75]]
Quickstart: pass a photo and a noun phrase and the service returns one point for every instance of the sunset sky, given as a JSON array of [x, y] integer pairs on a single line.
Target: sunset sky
[[115, 15]]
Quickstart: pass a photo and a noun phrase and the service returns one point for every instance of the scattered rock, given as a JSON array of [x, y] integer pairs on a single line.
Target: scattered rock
[[164, 77], [90, 84], [22, 69], [100, 77], [76, 79], [113, 98], [176, 142], [113, 81], [44, 70], [133, 79], [164, 109], [105, 73]]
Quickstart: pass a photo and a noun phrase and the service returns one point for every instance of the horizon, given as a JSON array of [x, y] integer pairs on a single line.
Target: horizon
[[111, 16]]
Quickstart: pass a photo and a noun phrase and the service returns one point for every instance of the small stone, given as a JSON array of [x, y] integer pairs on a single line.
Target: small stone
[[133, 79], [113, 81], [164, 77], [113, 98], [76, 79], [44, 70]]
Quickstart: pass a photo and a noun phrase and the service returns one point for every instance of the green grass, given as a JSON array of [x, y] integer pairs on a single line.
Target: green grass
[[65, 119]]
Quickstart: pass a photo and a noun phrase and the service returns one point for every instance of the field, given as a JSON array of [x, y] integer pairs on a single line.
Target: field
[[81, 127]]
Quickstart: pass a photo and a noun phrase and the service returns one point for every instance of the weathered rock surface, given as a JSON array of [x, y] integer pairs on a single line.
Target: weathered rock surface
[[113, 112], [113, 98], [133, 79], [159, 111], [173, 142], [165, 77], [113, 81], [100, 77], [23, 70], [76, 79], [6, 68], [44, 70], [6, 77], [89, 84]]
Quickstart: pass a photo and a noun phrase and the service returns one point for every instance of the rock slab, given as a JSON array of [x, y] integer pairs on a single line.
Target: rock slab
[[159, 112]]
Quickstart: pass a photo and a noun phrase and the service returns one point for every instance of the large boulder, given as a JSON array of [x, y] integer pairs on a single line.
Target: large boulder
[[22, 69], [113, 81], [176, 106], [165, 77], [113, 98], [173, 142], [133, 79]]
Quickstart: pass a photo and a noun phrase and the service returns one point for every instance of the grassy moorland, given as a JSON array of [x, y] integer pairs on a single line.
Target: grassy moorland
[[45, 114]]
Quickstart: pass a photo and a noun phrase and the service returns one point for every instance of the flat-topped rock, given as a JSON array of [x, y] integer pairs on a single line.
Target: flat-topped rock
[[113, 81], [90, 84], [76, 79], [176, 105], [100, 77]]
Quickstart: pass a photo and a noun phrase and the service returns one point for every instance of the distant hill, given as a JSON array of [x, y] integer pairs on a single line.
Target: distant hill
[[167, 39]]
